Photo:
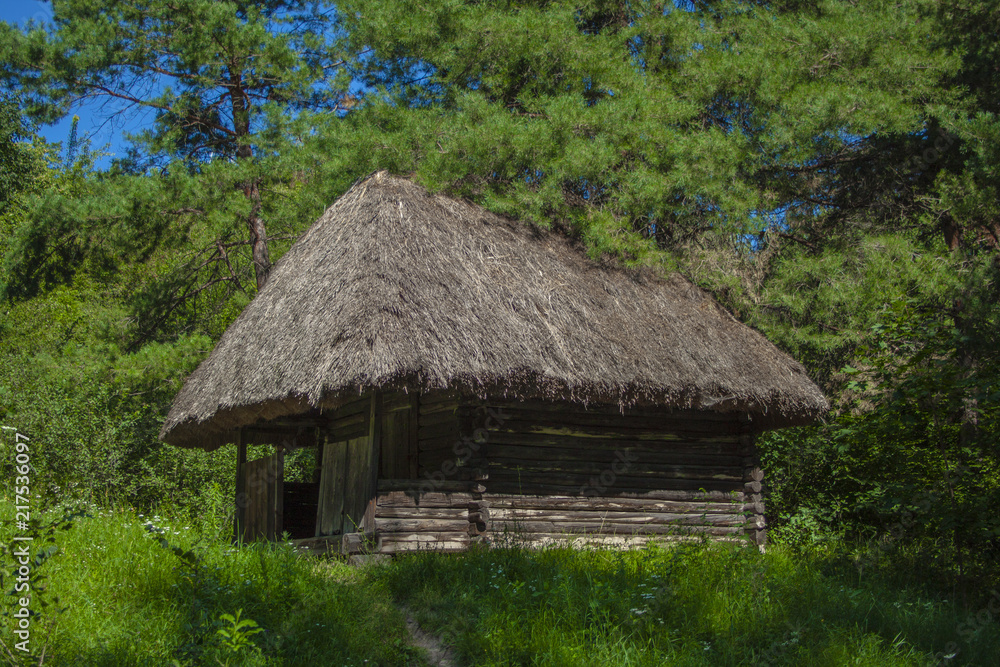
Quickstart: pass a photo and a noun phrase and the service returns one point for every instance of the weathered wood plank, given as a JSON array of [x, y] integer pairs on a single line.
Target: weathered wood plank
[[502, 499], [240, 518], [606, 504], [633, 479], [443, 430], [598, 519], [539, 540], [423, 486], [332, 482], [356, 483], [412, 440], [597, 516], [421, 525], [638, 454], [620, 430], [428, 419], [550, 407], [440, 396], [664, 422], [580, 485], [550, 528], [720, 445], [629, 470], [389, 546], [424, 500], [421, 512]]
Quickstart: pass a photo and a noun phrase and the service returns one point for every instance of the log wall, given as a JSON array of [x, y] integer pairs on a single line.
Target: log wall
[[597, 475], [452, 472], [537, 474]]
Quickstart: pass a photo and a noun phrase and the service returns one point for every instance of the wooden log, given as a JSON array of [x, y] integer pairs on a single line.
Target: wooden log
[[609, 504], [359, 430], [447, 430], [402, 499], [356, 406], [619, 430], [641, 422], [399, 493], [637, 518], [509, 479], [421, 512], [288, 437], [425, 537], [435, 397], [421, 525], [428, 419], [549, 527], [560, 407], [422, 487], [387, 545], [579, 540], [567, 487], [636, 469], [720, 445], [346, 421], [640, 454], [449, 445], [352, 543]]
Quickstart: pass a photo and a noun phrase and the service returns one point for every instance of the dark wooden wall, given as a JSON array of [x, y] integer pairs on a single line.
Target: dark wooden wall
[[540, 473], [563, 471], [453, 471]]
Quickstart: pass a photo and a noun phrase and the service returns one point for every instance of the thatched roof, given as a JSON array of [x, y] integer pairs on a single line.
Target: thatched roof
[[396, 287]]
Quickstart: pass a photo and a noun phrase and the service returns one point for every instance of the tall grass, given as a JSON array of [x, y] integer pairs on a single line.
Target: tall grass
[[691, 604], [152, 590], [156, 590]]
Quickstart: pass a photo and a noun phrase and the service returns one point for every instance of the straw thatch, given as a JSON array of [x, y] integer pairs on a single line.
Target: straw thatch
[[396, 287]]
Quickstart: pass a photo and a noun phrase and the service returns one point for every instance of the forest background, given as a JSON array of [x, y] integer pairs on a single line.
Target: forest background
[[827, 169]]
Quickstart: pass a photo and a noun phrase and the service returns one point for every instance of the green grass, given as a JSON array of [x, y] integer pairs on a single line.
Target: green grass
[[696, 604], [129, 599]]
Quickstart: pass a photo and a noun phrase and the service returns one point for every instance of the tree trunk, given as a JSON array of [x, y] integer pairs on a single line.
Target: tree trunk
[[258, 234], [241, 126]]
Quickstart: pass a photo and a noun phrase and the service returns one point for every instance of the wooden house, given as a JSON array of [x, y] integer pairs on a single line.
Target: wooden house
[[450, 376]]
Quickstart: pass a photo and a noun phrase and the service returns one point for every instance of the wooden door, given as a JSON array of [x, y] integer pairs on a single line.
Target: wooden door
[[345, 486], [348, 480], [262, 516]]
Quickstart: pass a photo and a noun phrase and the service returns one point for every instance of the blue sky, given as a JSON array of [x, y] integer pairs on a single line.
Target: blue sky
[[93, 125]]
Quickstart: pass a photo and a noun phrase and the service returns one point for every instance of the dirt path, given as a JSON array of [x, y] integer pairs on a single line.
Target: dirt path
[[438, 654]]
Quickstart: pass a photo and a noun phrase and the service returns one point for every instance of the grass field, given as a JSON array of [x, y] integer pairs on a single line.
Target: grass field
[[128, 589]]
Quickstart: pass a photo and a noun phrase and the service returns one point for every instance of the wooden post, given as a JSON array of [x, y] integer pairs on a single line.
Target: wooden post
[[278, 506], [239, 516], [412, 449], [375, 440]]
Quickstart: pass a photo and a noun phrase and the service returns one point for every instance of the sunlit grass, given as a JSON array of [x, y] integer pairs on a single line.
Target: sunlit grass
[[128, 599], [698, 604]]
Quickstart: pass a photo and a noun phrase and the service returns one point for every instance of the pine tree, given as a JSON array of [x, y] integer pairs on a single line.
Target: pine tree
[[223, 79]]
